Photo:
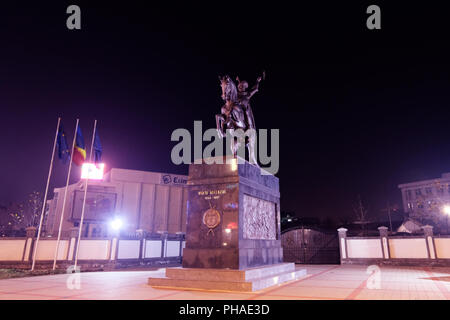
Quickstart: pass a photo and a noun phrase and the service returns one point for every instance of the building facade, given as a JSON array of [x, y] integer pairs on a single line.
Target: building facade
[[150, 201], [426, 196]]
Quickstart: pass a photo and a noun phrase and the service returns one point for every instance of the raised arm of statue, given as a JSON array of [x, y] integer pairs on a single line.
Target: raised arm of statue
[[255, 88]]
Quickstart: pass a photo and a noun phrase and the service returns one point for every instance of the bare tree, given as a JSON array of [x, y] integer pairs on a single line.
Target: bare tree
[[361, 214], [18, 216], [389, 210], [32, 209], [11, 217]]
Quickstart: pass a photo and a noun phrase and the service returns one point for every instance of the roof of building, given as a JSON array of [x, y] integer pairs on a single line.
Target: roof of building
[[135, 176], [127, 175], [410, 226], [445, 177]]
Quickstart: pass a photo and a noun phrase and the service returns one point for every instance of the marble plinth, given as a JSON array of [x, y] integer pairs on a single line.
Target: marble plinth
[[249, 280], [233, 217]]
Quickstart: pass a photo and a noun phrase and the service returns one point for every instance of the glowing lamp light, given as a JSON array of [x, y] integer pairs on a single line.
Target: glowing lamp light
[[116, 224], [228, 230], [234, 164], [92, 171], [446, 209], [232, 225]]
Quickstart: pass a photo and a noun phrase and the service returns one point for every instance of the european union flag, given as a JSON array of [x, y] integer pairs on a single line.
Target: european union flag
[[97, 148], [61, 143]]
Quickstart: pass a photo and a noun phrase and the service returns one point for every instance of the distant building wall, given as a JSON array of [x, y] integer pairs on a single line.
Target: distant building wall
[[364, 248], [426, 250], [101, 253], [442, 247], [428, 195], [408, 248], [12, 249], [151, 201]]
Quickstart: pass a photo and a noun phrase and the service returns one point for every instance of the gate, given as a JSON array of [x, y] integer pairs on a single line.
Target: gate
[[310, 246]]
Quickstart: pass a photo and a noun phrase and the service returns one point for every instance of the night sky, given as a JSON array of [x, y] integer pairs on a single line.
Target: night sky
[[359, 111]]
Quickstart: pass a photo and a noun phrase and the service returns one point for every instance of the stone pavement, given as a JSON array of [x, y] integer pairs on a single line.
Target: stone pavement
[[330, 282]]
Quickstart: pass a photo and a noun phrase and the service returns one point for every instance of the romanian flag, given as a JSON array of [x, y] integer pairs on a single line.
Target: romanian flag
[[79, 152]]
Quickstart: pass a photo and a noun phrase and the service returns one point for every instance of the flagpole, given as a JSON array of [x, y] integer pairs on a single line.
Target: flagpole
[[84, 199], [45, 196], [65, 195]]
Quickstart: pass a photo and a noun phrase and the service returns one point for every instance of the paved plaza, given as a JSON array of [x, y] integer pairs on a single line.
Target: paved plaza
[[328, 282]]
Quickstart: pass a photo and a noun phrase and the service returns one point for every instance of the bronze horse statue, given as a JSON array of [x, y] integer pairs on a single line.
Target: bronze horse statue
[[236, 114]]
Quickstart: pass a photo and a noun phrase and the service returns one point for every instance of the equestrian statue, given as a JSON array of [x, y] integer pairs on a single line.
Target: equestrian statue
[[237, 113]]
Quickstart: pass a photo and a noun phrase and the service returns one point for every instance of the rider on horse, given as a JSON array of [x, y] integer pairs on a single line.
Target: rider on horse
[[244, 98], [236, 113]]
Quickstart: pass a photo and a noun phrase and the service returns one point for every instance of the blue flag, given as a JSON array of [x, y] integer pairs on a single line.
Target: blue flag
[[97, 148], [61, 143]]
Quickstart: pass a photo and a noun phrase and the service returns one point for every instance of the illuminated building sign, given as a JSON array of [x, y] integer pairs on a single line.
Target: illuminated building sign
[[92, 171], [172, 179]]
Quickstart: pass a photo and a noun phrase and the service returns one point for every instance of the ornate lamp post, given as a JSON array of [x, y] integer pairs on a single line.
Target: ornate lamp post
[[446, 210]]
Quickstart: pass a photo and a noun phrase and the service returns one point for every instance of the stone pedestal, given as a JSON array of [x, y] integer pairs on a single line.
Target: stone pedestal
[[249, 280], [233, 217], [233, 226]]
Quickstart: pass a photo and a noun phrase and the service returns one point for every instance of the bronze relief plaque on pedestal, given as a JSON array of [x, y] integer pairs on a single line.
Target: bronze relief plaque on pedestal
[[259, 219]]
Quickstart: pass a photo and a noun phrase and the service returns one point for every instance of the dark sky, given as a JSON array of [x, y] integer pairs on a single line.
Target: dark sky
[[359, 111]]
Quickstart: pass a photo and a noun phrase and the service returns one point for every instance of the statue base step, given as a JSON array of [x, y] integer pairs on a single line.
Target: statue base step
[[248, 280]]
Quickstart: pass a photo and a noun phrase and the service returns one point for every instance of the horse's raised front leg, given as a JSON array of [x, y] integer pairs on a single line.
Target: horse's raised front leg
[[233, 143], [251, 149], [219, 124]]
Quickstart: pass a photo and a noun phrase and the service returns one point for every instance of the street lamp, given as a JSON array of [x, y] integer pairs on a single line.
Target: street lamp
[[116, 224], [446, 210]]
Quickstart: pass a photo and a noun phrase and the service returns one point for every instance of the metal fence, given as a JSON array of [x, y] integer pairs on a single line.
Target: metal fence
[[310, 246]]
